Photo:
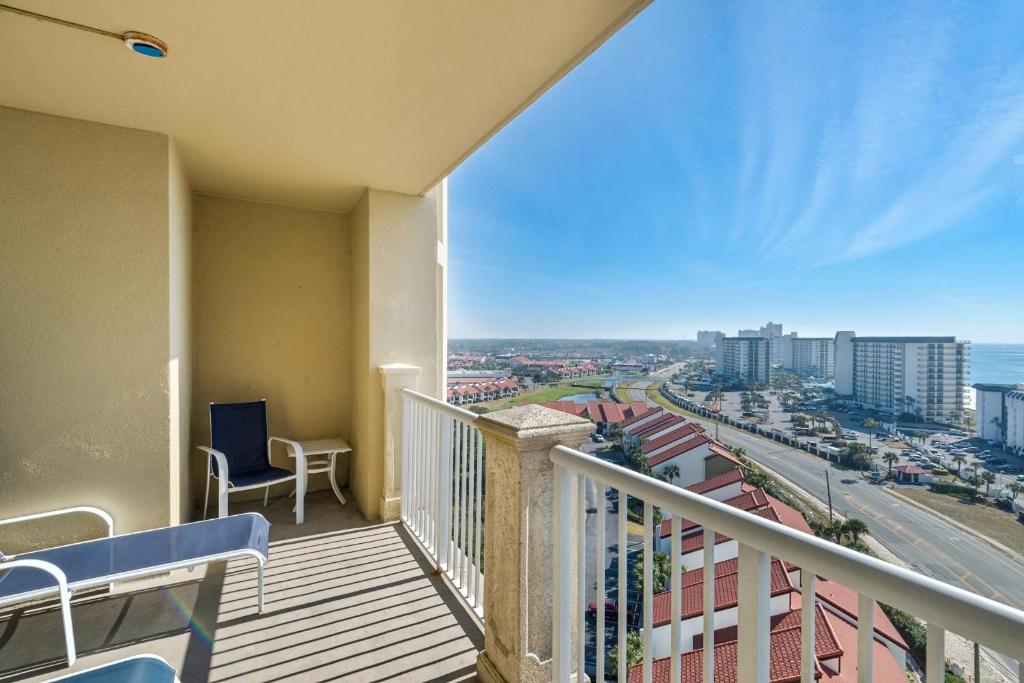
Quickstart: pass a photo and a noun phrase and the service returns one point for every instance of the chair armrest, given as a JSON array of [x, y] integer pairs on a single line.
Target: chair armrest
[[296, 451], [64, 592], [222, 461], [107, 519]]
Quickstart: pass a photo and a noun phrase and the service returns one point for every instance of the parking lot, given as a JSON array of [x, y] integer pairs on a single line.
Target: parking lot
[[936, 451]]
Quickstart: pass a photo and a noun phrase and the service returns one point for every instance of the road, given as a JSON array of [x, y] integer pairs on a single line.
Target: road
[[924, 541]]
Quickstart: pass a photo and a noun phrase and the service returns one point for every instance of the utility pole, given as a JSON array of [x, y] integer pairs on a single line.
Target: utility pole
[[828, 491]]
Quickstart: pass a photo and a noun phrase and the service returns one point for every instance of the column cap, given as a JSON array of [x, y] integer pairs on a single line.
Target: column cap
[[400, 369], [532, 423]]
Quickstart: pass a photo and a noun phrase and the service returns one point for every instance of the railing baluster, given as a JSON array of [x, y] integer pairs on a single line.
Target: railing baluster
[[754, 597], [809, 598], [561, 652], [935, 667], [648, 599], [599, 547], [581, 573], [465, 475], [460, 463], [453, 545], [866, 638], [709, 599], [442, 531], [677, 598], [403, 484], [623, 603], [478, 454]]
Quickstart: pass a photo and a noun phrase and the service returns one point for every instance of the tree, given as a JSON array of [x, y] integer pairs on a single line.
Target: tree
[[821, 416], [1016, 488], [891, 458], [988, 478], [661, 572], [634, 653], [671, 472], [614, 432], [871, 424], [854, 528], [975, 481], [959, 459]]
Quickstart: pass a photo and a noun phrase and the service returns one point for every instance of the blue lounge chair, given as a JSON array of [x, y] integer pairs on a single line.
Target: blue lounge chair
[[138, 669], [239, 455], [63, 570]]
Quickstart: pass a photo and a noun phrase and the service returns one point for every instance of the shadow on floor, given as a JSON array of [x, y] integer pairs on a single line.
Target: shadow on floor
[[345, 600]]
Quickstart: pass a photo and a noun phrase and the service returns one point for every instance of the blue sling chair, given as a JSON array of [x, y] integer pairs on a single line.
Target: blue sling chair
[[239, 455], [61, 571], [137, 669]]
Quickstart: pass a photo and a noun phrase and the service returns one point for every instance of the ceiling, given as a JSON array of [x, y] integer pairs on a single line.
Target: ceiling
[[305, 102]]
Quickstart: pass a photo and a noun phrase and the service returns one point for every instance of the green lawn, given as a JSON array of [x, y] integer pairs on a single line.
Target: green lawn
[[539, 396], [984, 518]]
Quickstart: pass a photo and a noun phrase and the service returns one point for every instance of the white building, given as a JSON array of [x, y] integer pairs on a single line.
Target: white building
[[843, 354], [990, 410], [785, 347], [1015, 421], [924, 376], [744, 359], [812, 355]]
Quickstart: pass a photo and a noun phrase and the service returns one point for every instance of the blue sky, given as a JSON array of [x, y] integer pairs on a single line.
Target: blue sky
[[830, 165]]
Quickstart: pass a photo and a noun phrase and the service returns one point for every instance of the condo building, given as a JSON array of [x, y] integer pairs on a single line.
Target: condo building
[[813, 356], [999, 413], [744, 359], [709, 339], [924, 376]]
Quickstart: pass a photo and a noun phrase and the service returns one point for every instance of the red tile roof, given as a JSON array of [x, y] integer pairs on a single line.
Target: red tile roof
[[684, 446], [845, 600], [696, 541], [646, 430], [783, 653], [749, 500], [726, 592], [717, 482], [910, 469], [678, 432], [719, 449], [641, 415], [571, 407]]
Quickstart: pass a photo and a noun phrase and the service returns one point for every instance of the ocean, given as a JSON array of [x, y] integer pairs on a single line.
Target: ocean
[[997, 363]]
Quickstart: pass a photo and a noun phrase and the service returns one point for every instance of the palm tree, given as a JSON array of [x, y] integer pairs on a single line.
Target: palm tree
[[975, 481], [1016, 488], [870, 424], [671, 472], [989, 478], [822, 417], [891, 458], [854, 528], [959, 459]]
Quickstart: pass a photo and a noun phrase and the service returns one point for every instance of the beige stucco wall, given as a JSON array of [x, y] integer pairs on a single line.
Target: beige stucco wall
[[85, 282], [179, 366], [272, 320], [396, 317]]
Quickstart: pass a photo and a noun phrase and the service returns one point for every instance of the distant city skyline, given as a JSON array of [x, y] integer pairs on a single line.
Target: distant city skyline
[[839, 166]]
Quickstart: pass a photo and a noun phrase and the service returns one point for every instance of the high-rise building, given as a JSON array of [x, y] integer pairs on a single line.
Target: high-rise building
[[924, 376], [744, 359], [785, 349], [843, 343], [773, 333], [709, 339], [1015, 421], [748, 333], [812, 355]]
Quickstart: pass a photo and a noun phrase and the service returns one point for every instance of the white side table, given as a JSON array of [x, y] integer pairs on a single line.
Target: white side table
[[331, 448]]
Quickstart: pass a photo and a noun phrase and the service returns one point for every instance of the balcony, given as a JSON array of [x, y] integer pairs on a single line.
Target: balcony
[[345, 598]]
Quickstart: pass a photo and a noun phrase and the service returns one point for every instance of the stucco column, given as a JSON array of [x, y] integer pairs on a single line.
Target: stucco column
[[394, 377], [518, 539]]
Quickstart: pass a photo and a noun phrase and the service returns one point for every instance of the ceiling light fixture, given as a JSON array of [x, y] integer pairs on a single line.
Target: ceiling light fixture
[[140, 43]]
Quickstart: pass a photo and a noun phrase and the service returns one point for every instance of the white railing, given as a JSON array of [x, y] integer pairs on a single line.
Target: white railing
[[442, 488], [943, 607]]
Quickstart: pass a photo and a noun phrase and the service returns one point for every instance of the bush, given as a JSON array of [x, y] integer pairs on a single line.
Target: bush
[[912, 630], [1004, 504], [951, 487]]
